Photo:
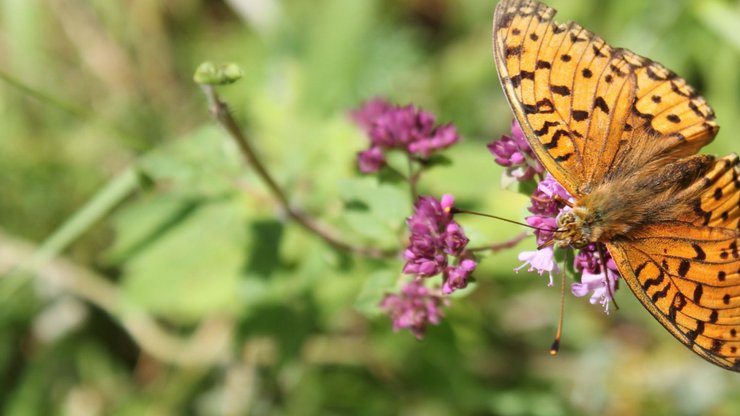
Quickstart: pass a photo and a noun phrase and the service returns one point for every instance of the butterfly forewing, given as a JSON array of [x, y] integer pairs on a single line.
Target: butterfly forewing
[[581, 102]]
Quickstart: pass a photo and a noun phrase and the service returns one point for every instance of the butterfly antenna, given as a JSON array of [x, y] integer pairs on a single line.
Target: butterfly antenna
[[555, 347], [456, 210], [602, 257]]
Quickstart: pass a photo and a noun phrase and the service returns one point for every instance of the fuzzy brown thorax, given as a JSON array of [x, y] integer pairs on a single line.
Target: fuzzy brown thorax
[[662, 191]]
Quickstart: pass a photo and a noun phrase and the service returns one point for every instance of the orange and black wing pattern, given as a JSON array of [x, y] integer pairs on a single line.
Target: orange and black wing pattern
[[687, 272], [581, 102]]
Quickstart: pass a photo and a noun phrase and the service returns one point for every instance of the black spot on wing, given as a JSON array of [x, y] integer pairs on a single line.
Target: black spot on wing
[[555, 137], [661, 294], [560, 90], [575, 39], [579, 115], [513, 51], [700, 255], [718, 194], [673, 118], [597, 51], [698, 292], [657, 280], [683, 268], [546, 127], [601, 104]]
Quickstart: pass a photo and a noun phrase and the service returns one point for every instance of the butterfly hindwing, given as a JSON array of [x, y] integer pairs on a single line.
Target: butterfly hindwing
[[687, 272]]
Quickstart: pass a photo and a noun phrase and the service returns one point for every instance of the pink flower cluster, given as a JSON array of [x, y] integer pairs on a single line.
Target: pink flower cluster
[[405, 128], [513, 153], [434, 237], [435, 240], [414, 308]]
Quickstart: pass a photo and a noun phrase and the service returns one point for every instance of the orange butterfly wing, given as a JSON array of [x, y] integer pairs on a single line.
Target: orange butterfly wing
[[580, 101], [687, 273], [582, 105]]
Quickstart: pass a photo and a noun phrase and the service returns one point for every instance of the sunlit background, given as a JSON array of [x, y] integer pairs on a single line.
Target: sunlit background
[[179, 288]]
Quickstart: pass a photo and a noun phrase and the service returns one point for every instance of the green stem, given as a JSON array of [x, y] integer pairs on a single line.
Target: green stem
[[220, 111], [93, 211]]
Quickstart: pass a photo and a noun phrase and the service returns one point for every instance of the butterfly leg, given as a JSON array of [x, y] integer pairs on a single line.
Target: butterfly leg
[[558, 198]]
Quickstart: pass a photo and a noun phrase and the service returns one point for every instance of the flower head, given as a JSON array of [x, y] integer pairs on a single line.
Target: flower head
[[366, 115], [434, 236], [588, 261], [546, 205], [405, 128], [371, 160], [514, 153], [414, 308], [457, 277]]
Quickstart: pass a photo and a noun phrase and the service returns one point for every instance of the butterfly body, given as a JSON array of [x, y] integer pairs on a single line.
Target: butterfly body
[[633, 196], [621, 133]]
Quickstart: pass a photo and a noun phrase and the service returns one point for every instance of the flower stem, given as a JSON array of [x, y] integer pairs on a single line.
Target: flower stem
[[413, 179], [220, 111]]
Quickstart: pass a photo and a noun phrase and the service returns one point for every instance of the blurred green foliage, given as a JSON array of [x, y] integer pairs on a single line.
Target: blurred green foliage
[[194, 295]]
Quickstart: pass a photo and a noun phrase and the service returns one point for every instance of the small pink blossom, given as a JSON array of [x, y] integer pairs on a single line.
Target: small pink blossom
[[542, 260], [414, 308]]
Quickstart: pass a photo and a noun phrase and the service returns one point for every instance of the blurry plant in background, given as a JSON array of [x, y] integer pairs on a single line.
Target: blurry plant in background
[[147, 270]]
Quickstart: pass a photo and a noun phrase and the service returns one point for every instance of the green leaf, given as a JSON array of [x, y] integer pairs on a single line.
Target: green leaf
[[382, 209], [203, 163], [376, 286], [192, 269]]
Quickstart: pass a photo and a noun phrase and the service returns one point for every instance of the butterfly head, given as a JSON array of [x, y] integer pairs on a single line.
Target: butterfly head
[[573, 228]]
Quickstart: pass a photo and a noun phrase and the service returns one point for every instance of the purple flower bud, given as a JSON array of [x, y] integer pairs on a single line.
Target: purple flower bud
[[371, 160], [399, 127], [546, 227], [454, 239], [514, 153], [588, 262], [506, 152], [457, 277], [366, 115], [443, 137], [546, 207], [414, 308], [447, 202]]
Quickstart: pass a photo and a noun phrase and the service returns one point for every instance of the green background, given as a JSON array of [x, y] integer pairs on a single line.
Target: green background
[[184, 289]]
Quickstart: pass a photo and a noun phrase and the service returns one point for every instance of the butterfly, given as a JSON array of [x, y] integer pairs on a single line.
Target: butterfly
[[621, 133]]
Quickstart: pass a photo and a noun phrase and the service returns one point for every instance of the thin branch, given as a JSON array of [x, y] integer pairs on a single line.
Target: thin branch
[[413, 179], [220, 111]]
